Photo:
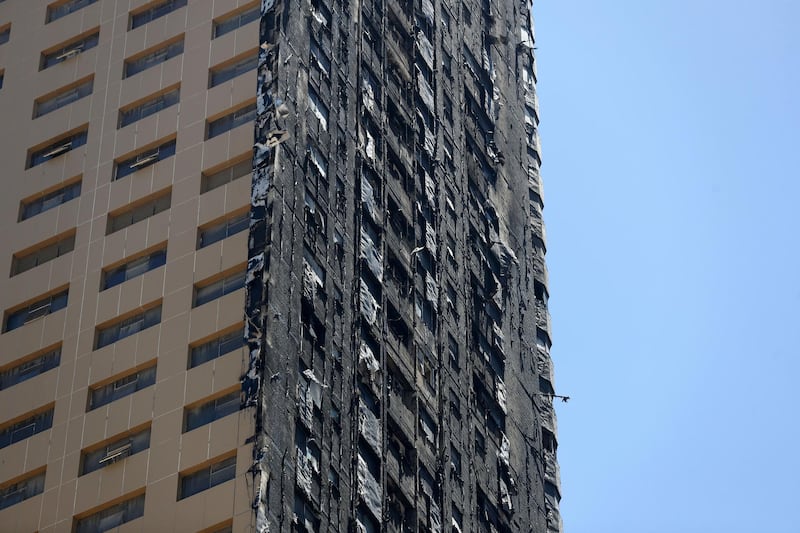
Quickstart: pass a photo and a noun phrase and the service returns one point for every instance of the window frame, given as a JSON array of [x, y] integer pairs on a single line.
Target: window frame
[[126, 511], [52, 8], [226, 173], [153, 11], [153, 258], [220, 285], [153, 56], [66, 191], [217, 346], [233, 68], [114, 449], [203, 478], [211, 409], [119, 386], [147, 317], [37, 308], [41, 419], [150, 105], [43, 252], [69, 49], [27, 486], [20, 370], [58, 146], [222, 228], [250, 10], [140, 210], [146, 157], [231, 119]]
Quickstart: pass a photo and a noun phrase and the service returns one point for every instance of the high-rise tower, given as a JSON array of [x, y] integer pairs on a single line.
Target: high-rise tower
[[341, 327]]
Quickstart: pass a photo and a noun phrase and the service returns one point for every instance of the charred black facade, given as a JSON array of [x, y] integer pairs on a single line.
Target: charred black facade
[[397, 317]]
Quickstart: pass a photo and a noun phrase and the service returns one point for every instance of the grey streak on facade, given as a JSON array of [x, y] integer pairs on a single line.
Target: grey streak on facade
[[396, 298]]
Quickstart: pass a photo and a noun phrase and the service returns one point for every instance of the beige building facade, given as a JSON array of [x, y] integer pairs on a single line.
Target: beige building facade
[[126, 160]]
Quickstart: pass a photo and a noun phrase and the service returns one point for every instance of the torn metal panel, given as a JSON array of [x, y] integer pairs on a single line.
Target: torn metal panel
[[430, 191], [427, 11], [431, 290], [367, 361], [318, 160], [504, 453], [424, 89], [425, 49], [311, 281], [505, 496], [500, 394], [368, 200], [369, 305], [370, 427], [430, 239], [434, 517], [368, 94], [372, 256], [369, 489], [304, 472]]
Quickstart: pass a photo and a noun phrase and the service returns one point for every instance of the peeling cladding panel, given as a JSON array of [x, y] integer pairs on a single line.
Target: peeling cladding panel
[[372, 255], [370, 427], [369, 489]]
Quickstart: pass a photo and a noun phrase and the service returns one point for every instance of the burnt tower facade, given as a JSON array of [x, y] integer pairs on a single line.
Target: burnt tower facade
[[396, 293]]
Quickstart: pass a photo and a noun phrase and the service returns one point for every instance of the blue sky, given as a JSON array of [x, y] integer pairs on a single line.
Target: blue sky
[[671, 136]]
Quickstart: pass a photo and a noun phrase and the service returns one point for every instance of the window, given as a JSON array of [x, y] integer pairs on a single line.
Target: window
[[63, 97], [49, 199], [228, 23], [210, 410], [217, 231], [57, 147], [37, 309], [43, 252], [447, 64], [30, 367], [27, 427], [319, 162], [217, 289], [138, 211], [210, 476], [455, 460], [112, 516], [19, 490], [452, 351], [5, 33], [231, 69], [236, 118], [137, 111], [153, 11], [124, 386], [145, 158], [230, 171], [319, 57], [2, 77], [216, 347], [70, 49], [57, 10], [318, 108], [134, 267], [153, 56], [133, 441], [124, 328]]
